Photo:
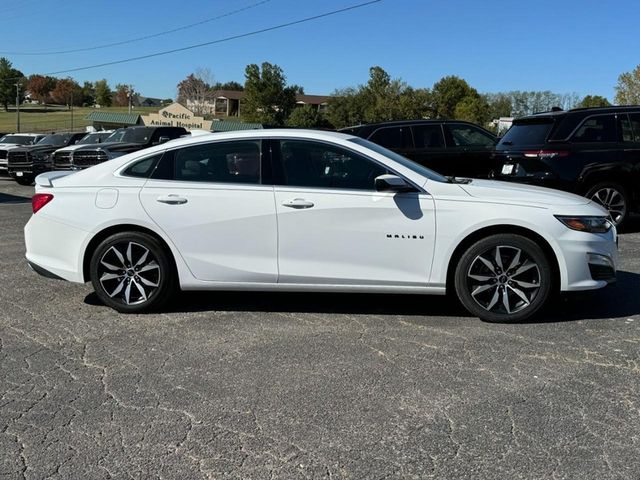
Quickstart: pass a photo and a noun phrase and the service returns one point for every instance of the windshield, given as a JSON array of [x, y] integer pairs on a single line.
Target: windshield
[[92, 138], [18, 139], [404, 161], [131, 135], [57, 140], [527, 133]]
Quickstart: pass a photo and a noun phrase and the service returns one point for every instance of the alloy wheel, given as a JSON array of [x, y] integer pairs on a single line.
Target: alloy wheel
[[504, 279], [129, 273], [612, 200]]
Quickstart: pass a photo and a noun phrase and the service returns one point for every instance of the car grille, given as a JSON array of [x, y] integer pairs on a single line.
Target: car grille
[[602, 272], [84, 159], [3, 154], [18, 159], [62, 160]]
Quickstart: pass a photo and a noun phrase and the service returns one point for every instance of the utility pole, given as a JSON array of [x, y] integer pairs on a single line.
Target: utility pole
[[71, 106], [130, 96], [18, 107]]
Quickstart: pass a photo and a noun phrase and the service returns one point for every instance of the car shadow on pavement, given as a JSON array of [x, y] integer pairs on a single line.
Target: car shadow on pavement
[[632, 225], [8, 198], [621, 299]]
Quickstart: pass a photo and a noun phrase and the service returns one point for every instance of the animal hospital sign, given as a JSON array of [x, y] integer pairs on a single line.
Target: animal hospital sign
[[177, 115]]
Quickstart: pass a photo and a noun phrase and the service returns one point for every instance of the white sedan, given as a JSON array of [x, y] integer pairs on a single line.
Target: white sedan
[[299, 210]]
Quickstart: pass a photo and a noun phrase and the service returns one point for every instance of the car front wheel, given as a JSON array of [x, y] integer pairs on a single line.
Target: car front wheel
[[131, 273], [503, 278]]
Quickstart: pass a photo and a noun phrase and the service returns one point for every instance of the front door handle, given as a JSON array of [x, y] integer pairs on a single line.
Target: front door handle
[[298, 203], [172, 200]]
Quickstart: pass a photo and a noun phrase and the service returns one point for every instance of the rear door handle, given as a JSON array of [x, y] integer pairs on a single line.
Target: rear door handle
[[298, 203], [172, 199]]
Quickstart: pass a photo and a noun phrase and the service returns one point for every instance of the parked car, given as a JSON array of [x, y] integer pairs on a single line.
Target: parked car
[[24, 163], [123, 141], [62, 156], [450, 147], [10, 141], [593, 152], [304, 210]]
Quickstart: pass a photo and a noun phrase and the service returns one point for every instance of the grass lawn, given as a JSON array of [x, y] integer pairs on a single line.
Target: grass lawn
[[57, 119]]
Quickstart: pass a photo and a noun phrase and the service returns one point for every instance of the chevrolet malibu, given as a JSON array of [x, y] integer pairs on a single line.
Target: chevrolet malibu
[[296, 210]]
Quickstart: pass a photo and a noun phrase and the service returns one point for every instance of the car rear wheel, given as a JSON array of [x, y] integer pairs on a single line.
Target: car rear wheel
[[614, 198], [131, 273], [503, 278]]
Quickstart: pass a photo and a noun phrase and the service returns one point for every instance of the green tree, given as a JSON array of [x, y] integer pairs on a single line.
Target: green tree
[[306, 116], [346, 108], [232, 85], [103, 93], [473, 109], [88, 94], [590, 101], [499, 105], [380, 99], [9, 76], [447, 93], [628, 88], [267, 99]]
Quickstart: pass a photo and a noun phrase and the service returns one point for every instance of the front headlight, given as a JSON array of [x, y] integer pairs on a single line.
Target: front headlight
[[41, 157], [586, 224]]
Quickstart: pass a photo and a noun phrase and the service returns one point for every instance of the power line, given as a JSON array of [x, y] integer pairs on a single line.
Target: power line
[[139, 39], [212, 42], [221, 40]]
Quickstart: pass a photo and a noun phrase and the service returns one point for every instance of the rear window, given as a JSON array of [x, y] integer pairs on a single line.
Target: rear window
[[526, 134]]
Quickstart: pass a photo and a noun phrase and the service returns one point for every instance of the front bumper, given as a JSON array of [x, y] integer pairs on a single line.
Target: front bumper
[[28, 170], [590, 260]]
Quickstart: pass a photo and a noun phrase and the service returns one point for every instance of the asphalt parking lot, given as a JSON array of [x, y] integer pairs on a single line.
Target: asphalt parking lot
[[246, 385]]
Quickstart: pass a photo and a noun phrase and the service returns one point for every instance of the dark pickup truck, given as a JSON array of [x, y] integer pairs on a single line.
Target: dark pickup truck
[[121, 142], [25, 163]]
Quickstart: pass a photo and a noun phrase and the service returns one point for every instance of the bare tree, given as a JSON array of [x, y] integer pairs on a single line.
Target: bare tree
[[196, 91]]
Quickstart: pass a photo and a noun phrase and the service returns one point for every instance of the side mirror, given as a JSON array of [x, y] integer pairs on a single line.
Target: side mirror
[[163, 140], [393, 183]]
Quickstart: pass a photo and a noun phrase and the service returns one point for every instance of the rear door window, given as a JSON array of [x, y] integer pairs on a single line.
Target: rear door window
[[601, 128], [469, 136], [527, 133], [625, 129], [393, 137], [220, 162], [428, 136], [634, 118]]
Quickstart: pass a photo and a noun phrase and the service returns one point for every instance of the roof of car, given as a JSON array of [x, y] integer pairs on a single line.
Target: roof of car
[[406, 122], [584, 111]]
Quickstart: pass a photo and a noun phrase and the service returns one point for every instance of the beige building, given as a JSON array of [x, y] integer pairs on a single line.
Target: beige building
[[226, 103]]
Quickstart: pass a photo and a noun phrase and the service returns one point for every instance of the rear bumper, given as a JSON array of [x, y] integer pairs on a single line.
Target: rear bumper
[[54, 248], [43, 271]]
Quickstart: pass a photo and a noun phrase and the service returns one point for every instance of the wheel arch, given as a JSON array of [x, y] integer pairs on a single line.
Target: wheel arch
[[112, 230], [499, 229]]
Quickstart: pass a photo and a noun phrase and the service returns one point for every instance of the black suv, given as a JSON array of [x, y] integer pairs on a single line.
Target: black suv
[[594, 152], [25, 163], [450, 147], [121, 142]]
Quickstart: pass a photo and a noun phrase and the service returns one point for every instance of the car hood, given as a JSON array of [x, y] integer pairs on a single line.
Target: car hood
[[38, 148], [514, 193], [113, 146], [9, 146]]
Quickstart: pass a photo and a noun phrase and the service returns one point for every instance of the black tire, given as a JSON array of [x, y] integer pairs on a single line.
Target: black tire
[[614, 197], [26, 181], [481, 281], [149, 277]]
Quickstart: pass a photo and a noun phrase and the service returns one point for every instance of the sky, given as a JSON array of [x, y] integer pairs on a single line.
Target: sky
[[565, 46]]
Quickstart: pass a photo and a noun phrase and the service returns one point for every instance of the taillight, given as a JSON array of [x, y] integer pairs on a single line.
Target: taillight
[[545, 154], [39, 200]]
